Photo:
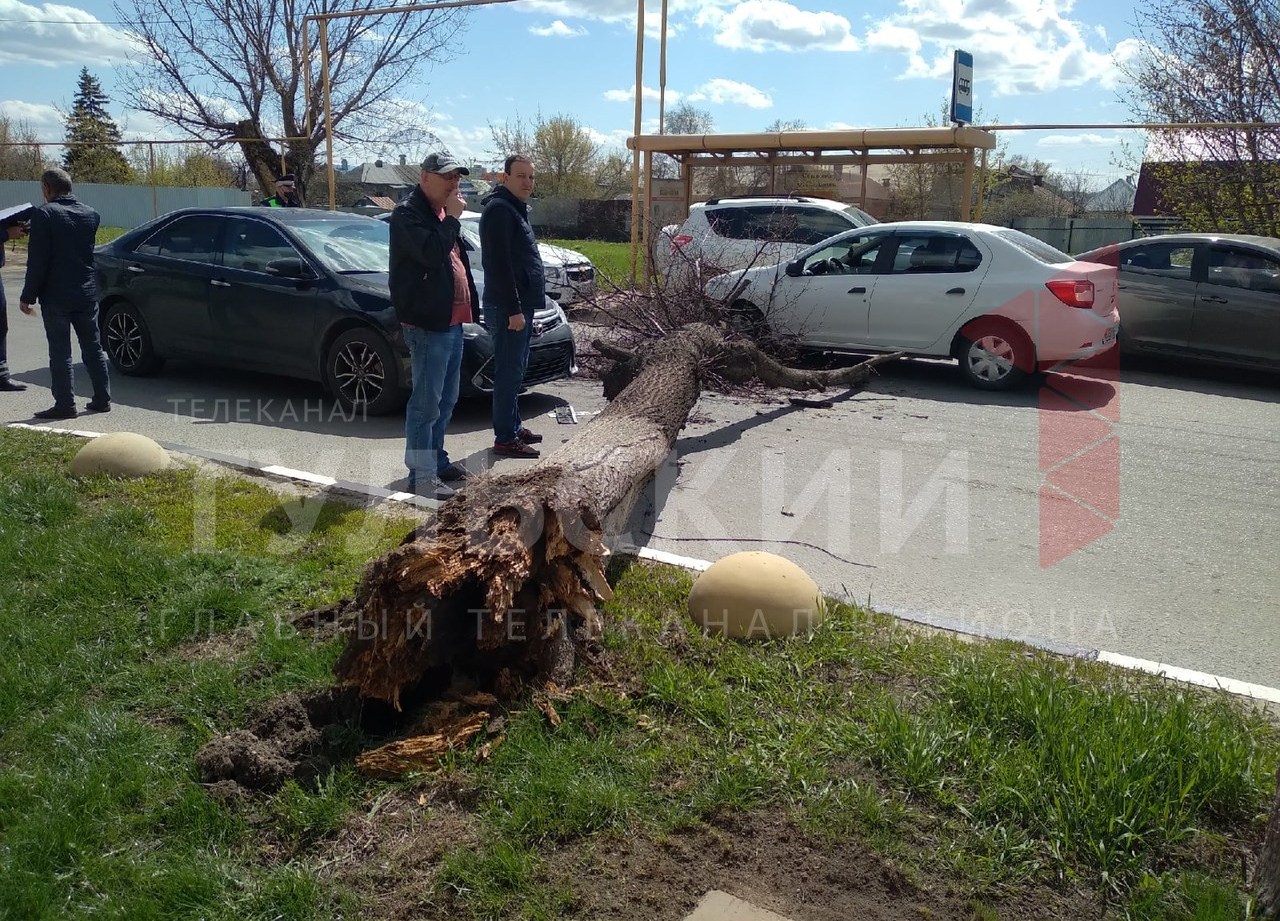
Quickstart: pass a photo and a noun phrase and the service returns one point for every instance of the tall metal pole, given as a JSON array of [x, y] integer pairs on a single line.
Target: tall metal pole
[[635, 154], [328, 115], [662, 74]]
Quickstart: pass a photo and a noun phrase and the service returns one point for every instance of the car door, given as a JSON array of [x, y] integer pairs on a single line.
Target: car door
[[931, 281], [1237, 306], [265, 320], [166, 276], [1156, 293], [822, 298]]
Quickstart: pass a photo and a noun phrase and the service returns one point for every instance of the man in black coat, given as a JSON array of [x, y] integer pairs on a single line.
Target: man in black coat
[[61, 276], [433, 294], [514, 288]]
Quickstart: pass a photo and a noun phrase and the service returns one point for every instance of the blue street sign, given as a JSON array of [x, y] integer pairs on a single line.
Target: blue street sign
[[962, 89]]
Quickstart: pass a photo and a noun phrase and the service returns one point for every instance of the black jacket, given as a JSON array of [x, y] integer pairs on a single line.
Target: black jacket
[[421, 275], [513, 275], [60, 270]]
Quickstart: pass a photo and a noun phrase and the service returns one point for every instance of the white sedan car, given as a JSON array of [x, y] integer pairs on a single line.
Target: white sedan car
[[570, 275], [1002, 302]]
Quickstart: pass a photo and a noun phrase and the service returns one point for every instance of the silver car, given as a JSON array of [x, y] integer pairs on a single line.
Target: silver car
[[1208, 297]]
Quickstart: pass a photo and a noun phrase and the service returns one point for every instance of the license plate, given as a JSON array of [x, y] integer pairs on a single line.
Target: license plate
[[1111, 335]]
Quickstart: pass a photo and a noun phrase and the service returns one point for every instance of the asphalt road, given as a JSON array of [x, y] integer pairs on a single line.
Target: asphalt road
[[918, 494]]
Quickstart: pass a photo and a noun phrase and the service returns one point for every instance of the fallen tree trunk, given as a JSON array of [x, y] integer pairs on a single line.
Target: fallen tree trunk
[[512, 568]]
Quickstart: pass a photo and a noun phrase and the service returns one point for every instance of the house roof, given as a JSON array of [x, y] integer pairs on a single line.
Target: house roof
[[390, 174], [381, 201]]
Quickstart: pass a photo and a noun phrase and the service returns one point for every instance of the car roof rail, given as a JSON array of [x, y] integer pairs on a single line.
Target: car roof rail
[[788, 196]]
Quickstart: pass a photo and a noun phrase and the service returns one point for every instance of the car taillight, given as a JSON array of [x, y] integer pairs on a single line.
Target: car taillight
[[1072, 292], [679, 240]]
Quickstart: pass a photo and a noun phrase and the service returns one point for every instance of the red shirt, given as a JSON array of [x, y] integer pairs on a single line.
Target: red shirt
[[461, 290]]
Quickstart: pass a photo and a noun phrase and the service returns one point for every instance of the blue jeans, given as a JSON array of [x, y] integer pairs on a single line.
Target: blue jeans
[[437, 366], [510, 359], [58, 323]]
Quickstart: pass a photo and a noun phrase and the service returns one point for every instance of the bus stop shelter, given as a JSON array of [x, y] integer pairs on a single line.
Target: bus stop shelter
[[859, 147]]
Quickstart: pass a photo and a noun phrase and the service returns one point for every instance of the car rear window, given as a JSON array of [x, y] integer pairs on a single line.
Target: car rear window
[[1036, 249]]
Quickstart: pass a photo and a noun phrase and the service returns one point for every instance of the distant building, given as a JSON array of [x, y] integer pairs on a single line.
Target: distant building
[[1117, 198]]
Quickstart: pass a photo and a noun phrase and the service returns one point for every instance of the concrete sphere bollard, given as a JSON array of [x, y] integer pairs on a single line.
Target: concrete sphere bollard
[[120, 454], [756, 595]]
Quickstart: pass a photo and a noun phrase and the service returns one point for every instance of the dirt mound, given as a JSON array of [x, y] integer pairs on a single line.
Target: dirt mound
[[296, 736]]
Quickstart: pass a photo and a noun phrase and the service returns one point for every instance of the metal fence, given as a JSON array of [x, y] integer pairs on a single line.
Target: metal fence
[[129, 205], [1079, 234]]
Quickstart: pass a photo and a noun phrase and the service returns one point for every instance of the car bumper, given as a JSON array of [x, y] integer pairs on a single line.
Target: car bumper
[[551, 357]]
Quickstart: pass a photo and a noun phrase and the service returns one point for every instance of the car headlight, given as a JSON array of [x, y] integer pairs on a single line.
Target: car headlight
[[555, 274]]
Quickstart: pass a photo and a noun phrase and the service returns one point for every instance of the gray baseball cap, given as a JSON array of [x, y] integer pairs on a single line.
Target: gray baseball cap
[[443, 162]]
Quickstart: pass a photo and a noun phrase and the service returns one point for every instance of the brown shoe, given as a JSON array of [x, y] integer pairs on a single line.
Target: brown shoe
[[515, 449], [528, 437]]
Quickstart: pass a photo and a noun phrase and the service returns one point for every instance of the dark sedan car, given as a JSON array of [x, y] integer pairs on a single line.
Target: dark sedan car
[[1209, 297], [287, 291]]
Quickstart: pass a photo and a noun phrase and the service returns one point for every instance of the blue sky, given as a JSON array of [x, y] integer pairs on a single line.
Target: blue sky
[[829, 63]]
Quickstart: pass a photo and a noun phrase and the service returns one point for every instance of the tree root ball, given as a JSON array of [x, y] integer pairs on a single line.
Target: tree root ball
[[756, 596]]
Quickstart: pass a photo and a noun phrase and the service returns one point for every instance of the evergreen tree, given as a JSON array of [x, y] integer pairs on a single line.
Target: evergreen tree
[[96, 155]]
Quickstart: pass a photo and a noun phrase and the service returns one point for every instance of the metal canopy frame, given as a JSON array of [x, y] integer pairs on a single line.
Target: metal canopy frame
[[862, 147]]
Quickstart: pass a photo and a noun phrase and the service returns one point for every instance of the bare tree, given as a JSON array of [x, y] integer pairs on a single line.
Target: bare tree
[[685, 118], [20, 156], [221, 69], [567, 160], [1212, 61]]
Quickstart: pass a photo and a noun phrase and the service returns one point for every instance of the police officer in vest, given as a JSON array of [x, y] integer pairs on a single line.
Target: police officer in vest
[[286, 194]]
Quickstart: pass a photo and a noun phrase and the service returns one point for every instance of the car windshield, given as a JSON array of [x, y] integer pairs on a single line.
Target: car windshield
[[349, 247], [859, 217], [1036, 249]]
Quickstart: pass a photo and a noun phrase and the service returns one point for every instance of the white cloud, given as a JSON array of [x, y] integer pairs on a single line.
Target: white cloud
[[1078, 140], [732, 92], [558, 29], [45, 121], [775, 25], [1018, 46], [71, 36]]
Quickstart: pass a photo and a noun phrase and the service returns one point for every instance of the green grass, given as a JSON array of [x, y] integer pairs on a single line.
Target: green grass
[[612, 260], [100, 714], [1003, 768]]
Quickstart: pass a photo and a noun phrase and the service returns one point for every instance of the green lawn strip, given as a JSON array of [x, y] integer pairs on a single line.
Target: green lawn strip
[[1002, 766], [144, 617], [102, 709], [611, 260]]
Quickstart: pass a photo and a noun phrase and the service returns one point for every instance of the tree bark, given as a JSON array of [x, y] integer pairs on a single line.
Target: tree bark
[[514, 563], [1267, 878]]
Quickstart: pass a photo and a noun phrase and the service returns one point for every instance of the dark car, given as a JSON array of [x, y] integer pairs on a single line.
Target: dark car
[[291, 291], [1208, 297]]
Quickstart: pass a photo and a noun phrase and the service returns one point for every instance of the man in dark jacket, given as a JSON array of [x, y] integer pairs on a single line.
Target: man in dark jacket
[[286, 194], [513, 289], [61, 276], [433, 294]]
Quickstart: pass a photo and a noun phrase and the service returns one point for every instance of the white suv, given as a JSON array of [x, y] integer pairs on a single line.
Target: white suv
[[739, 232]]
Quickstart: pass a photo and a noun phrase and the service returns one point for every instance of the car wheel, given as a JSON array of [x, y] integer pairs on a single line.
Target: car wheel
[[127, 341], [995, 356], [361, 371]]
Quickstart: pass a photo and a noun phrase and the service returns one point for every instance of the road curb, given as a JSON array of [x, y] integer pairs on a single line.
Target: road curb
[[924, 618]]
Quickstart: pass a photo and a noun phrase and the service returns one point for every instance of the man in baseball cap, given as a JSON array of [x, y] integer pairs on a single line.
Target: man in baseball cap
[[444, 162]]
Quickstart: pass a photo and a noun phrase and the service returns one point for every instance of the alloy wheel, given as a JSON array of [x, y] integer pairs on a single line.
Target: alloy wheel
[[359, 374]]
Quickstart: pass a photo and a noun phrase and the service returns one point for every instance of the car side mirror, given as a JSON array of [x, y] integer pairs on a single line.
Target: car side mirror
[[292, 267], [795, 269]]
